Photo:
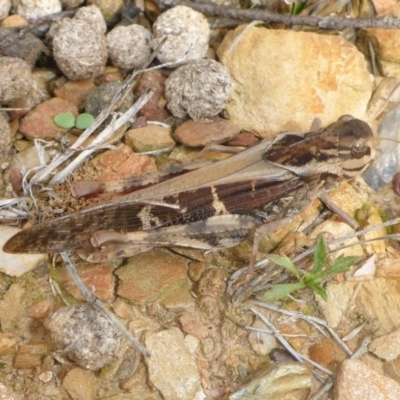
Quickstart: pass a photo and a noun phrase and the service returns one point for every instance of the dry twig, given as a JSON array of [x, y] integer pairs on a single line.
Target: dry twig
[[338, 23]]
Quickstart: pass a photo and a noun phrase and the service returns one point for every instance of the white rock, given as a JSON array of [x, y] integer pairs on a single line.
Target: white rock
[[262, 342], [33, 9], [186, 31], [92, 15], [283, 79], [5, 6], [387, 347], [129, 46], [79, 49], [16, 79], [356, 381], [17, 264], [199, 89], [172, 368]]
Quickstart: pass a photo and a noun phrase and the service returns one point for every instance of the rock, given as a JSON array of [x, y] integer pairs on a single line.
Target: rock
[[338, 229], [10, 306], [128, 365], [5, 140], [39, 123], [199, 89], [387, 346], [27, 47], [192, 325], [79, 49], [148, 276], [149, 138], [35, 9], [117, 164], [16, 79], [75, 92], [154, 109], [8, 394], [85, 336], [98, 278], [101, 97], [93, 16], [129, 46], [355, 381], [23, 162], [7, 343], [187, 31], [374, 298], [266, 102], [173, 372], [200, 134], [111, 9], [5, 6], [80, 384], [262, 342], [17, 264], [283, 381], [30, 354], [41, 309], [244, 139], [12, 21]]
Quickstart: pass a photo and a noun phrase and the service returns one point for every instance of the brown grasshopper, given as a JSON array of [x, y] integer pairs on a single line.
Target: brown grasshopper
[[216, 206]]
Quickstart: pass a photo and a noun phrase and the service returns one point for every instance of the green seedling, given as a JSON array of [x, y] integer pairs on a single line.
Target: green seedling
[[65, 120], [68, 121], [84, 120], [310, 279]]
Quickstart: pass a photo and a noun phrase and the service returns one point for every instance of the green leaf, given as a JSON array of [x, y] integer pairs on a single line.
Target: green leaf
[[341, 264], [84, 120], [320, 290], [65, 120], [298, 6], [320, 255], [284, 262], [281, 290]]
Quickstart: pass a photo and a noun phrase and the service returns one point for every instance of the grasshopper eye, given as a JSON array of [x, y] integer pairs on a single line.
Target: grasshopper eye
[[360, 149]]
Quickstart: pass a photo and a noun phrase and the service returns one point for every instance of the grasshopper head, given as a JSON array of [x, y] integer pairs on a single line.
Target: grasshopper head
[[355, 145]]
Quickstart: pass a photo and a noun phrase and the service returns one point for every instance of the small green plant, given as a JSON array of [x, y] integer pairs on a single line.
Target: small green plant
[[65, 120], [84, 120], [310, 279], [68, 121]]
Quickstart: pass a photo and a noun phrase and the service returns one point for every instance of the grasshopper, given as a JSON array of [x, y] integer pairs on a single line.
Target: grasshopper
[[216, 206]]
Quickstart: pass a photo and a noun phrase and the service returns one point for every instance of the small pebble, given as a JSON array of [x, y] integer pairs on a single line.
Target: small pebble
[[199, 89], [27, 47], [46, 376], [100, 98], [13, 21], [155, 108], [39, 123], [34, 9], [75, 92], [80, 384], [149, 138], [16, 79], [79, 49], [187, 32], [200, 134], [85, 336], [129, 46], [111, 9], [396, 183]]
